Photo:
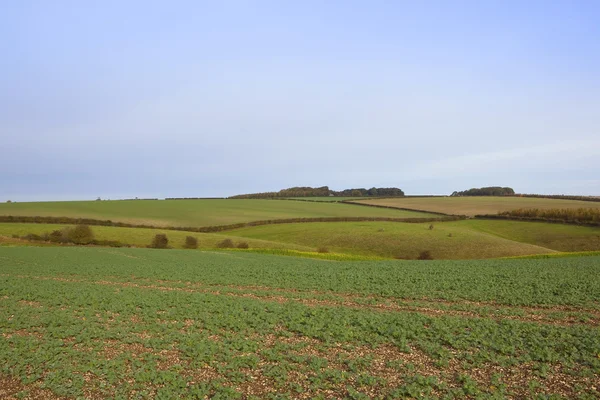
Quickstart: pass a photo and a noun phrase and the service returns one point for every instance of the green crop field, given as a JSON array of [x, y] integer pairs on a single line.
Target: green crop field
[[143, 323], [478, 205], [447, 240], [196, 213]]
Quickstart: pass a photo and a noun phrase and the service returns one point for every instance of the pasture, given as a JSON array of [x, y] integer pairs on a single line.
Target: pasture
[[468, 239], [197, 213], [477, 205], [142, 323]]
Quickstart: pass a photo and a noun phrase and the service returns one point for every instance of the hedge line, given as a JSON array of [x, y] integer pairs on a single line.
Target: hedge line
[[537, 219], [455, 217], [209, 229]]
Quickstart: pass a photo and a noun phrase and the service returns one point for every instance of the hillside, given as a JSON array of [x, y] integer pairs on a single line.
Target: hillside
[[197, 213]]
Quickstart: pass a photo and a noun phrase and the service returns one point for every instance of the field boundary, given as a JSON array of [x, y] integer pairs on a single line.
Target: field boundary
[[214, 228], [456, 216], [535, 219]]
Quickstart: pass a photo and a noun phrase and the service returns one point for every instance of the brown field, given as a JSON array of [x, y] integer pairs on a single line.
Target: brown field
[[477, 205]]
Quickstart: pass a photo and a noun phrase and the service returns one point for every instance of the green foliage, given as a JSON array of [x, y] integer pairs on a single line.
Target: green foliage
[[486, 191], [183, 324], [160, 241], [80, 234], [242, 245]]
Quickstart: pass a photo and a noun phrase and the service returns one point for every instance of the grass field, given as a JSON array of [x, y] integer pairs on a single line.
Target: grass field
[[478, 205], [141, 323], [468, 239], [141, 237], [196, 213], [448, 240]]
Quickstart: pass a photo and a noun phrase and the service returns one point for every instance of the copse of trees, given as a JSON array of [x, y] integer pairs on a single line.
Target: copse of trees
[[323, 191], [486, 191]]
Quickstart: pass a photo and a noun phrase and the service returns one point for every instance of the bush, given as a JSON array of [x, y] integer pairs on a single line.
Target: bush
[[160, 241], [33, 237], [190, 243], [322, 249], [58, 236], [425, 255], [225, 244], [15, 236], [431, 227], [80, 234], [243, 245]]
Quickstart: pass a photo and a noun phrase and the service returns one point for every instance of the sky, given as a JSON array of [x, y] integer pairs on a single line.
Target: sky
[[122, 99]]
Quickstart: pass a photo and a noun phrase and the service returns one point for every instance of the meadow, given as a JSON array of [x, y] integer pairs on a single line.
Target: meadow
[[143, 323], [197, 213], [465, 239], [477, 205], [142, 237]]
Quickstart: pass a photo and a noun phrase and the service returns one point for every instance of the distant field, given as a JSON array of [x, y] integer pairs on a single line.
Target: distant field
[[142, 237], [140, 323], [197, 213], [325, 199], [477, 205], [448, 240]]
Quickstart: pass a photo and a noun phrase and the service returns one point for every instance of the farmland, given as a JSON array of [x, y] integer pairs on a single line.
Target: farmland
[[97, 323], [477, 205], [197, 213], [447, 240], [141, 237]]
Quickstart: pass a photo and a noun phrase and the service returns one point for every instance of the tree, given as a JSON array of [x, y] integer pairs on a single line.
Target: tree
[[80, 234], [191, 242], [160, 241]]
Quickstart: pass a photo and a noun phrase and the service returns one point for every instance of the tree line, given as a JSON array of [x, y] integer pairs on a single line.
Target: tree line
[[323, 191], [486, 191]]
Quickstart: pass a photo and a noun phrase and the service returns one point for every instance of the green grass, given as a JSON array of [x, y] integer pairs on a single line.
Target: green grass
[[478, 205], [196, 213], [406, 240], [560, 237], [142, 237], [469, 239], [143, 323]]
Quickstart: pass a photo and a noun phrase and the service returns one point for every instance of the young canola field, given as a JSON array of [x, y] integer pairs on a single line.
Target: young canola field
[[143, 323]]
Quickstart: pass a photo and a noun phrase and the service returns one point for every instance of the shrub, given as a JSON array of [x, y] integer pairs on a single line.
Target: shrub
[[225, 244], [322, 249], [9, 201], [80, 234], [190, 243], [431, 227], [160, 241], [15, 236], [425, 255], [33, 236], [58, 236], [243, 245]]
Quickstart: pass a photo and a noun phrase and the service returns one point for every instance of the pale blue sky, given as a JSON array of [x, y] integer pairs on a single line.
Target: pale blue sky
[[188, 98]]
